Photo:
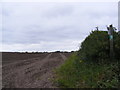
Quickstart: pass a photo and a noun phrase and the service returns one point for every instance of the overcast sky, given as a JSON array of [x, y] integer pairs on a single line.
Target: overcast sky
[[48, 26]]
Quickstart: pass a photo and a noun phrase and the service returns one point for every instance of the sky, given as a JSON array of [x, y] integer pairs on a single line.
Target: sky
[[52, 26]]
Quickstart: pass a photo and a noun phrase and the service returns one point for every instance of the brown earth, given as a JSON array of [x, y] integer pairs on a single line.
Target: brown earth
[[30, 70]]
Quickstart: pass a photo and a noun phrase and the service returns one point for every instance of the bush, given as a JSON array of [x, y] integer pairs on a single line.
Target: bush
[[82, 70], [117, 46], [96, 47], [75, 73]]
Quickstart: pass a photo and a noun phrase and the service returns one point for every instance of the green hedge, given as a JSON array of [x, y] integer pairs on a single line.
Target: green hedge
[[96, 47], [82, 70]]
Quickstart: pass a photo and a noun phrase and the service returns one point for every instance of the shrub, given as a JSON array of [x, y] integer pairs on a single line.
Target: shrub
[[81, 69], [96, 47]]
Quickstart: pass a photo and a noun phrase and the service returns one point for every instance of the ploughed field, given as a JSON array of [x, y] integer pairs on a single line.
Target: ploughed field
[[30, 70]]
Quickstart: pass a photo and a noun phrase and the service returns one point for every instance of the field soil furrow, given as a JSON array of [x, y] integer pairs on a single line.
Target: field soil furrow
[[63, 56], [31, 73]]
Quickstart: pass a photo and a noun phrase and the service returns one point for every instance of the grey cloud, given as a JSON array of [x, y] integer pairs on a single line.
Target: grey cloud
[[5, 13], [37, 36], [58, 11], [27, 23]]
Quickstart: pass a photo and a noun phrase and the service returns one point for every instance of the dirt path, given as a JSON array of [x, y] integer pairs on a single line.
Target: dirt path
[[32, 73], [63, 56]]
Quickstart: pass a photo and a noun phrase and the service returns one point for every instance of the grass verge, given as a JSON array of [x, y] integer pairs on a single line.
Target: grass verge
[[75, 73]]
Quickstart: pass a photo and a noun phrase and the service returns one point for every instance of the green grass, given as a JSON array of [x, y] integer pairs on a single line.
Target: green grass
[[75, 73]]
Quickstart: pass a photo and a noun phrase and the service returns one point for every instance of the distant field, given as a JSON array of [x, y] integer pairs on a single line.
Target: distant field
[[30, 70], [9, 57]]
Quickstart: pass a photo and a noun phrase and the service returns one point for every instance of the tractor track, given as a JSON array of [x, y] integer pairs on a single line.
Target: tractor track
[[33, 72]]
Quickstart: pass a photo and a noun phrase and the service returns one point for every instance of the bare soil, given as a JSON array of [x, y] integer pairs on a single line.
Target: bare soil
[[30, 70]]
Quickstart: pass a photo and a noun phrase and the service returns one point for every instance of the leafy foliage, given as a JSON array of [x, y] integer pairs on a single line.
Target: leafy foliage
[[91, 67], [76, 73], [96, 47], [117, 46]]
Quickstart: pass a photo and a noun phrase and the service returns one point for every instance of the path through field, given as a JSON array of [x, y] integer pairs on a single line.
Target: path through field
[[35, 72]]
